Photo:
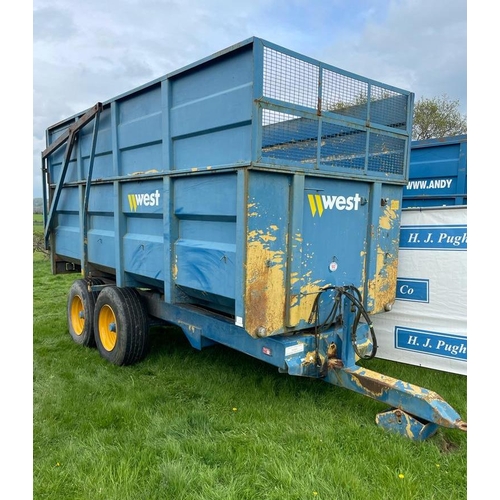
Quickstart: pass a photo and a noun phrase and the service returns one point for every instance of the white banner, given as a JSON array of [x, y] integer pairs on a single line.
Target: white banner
[[427, 325]]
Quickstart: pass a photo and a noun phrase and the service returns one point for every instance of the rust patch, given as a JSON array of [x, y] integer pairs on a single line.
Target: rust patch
[[375, 385], [310, 358], [335, 363]]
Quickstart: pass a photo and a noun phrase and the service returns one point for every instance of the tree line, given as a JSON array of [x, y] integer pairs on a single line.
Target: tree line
[[437, 117]]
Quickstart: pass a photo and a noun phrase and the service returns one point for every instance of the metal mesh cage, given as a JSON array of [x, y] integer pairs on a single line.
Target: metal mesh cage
[[386, 154], [330, 120], [289, 79], [344, 95], [288, 137]]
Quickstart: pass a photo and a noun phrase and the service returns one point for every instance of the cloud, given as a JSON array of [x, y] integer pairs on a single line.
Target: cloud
[[92, 51], [419, 46]]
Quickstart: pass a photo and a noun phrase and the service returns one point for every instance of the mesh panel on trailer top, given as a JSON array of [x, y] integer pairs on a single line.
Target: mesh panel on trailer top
[[335, 121]]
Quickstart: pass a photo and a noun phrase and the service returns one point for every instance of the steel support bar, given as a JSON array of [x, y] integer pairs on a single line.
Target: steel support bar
[[417, 401], [87, 195], [67, 137], [81, 122]]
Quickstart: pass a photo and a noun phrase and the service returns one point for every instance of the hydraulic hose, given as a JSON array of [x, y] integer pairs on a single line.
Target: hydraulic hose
[[352, 294]]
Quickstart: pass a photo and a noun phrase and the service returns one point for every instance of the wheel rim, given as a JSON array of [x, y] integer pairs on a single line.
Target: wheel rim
[[77, 315], [107, 328]]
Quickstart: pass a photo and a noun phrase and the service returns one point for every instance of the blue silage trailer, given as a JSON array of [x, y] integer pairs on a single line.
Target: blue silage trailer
[[252, 199]]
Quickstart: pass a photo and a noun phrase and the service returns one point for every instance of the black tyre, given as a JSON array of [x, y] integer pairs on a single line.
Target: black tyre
[[121, 325], [80, 312]]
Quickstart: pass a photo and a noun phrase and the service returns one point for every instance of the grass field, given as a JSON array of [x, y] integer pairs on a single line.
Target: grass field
[[216, 424]]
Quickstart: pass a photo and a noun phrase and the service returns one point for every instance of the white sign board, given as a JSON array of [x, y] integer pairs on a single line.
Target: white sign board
[[427, 325]]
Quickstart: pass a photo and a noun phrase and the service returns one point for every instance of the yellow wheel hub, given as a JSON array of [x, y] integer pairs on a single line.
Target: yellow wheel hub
[[107, 328], [77, 315]]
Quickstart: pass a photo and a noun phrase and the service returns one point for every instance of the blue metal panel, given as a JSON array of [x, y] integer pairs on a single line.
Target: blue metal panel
[[101, 199], [141, 132], [146, 159], [103, 166], [266, 269], [101, 247], [205, 248], [220, 75], [220, 94], [438, 173], [141, 105], [219, 147]]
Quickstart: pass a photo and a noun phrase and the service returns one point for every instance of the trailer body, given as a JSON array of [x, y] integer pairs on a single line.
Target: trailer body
[[437, 173], [253, 199]]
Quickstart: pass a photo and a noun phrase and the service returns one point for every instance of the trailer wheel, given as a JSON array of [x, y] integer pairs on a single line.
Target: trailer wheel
[[80, 312], [121, 326]]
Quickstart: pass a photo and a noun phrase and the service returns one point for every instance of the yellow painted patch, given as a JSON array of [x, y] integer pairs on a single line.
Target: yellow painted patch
[[387, 219], [382, 288], [174, 269], [268, 237], [301, 305], [265, 294]]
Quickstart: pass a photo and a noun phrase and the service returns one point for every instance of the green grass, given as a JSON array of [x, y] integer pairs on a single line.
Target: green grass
[[217, 424]]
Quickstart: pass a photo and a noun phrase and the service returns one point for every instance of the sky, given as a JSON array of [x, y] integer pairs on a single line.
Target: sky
[[92, 51]]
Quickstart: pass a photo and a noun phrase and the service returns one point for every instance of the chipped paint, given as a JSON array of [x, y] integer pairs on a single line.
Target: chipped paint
[[382, 288], [174, 269], [363, 259], [190, 328], [376, 384], [250, 213], [311, 357], [144, 172], [389, 217], [265, 294], [301, 305], [384, 284]]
